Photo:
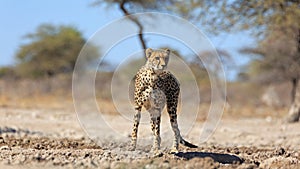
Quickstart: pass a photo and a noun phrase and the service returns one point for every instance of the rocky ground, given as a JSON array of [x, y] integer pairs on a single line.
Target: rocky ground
[[37, 138]]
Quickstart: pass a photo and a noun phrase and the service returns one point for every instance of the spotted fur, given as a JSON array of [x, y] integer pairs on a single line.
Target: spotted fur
[[155, 87]]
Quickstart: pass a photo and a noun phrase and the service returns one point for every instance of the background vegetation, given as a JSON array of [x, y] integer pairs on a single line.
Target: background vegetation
[[45, 63]]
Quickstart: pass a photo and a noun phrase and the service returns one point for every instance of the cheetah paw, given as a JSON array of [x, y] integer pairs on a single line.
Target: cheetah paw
[[158, 153], [174, 151]]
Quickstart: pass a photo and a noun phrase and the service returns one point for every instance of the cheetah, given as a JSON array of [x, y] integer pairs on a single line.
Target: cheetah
[[155, 87]]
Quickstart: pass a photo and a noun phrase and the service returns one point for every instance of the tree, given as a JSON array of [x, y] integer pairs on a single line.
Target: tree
[[7, 72], [129, 7], [50, 50], [278, 61], [277, 24], [267, 19]]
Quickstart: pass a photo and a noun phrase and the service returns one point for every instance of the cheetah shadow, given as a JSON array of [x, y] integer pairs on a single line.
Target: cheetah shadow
[[217, 157]]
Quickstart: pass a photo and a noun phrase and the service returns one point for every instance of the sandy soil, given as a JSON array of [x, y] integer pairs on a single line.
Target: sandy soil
[[53, 138]]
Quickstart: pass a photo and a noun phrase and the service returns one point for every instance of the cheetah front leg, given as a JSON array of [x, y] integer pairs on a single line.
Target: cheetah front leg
[[155, 115], [136, 119], [156, 104]]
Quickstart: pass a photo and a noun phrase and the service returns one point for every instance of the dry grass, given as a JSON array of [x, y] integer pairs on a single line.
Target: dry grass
[[50, 101], [243, 98]]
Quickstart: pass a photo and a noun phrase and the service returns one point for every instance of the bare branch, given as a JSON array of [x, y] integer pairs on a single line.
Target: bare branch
[[136, 21]]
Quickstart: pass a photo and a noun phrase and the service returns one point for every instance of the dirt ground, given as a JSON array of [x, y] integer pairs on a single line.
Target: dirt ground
[[53, 138]]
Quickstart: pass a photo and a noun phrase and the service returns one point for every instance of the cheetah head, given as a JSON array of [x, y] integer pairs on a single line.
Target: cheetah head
[[158, 59]]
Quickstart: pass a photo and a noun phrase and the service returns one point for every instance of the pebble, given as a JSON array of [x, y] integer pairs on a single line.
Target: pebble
[[49, 157], [5, 148], [107, 154], [269, 119], [37, 157], [2, 140], [56, 161], [280, 151], [151, 166], [189, 166]]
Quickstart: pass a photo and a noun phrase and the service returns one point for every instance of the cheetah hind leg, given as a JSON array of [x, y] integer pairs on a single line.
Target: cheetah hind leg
[[137, 117], [174, 149], [177, 137]]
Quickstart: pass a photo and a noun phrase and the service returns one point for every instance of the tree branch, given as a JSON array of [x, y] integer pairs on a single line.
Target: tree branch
[[136, 21]]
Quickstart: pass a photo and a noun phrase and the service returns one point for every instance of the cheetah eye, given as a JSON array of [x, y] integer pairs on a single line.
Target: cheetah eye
[[157, 58]]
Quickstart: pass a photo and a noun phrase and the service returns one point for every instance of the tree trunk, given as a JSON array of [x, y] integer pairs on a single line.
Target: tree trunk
[[294, 112], [294, 86], [136, 21], [298, 41]]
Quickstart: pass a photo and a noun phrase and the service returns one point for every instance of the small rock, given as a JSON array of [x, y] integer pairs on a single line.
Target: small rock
[[189, 166], [5, 148], [26, 141], [279, 151], [37, 157], [35, 115], [49, 157], [269, 119], [2, 140], [86, 155], [107, 154], [151, 166], [56, 161]]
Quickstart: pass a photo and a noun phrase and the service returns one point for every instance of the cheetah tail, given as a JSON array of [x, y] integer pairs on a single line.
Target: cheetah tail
[[187, 144]]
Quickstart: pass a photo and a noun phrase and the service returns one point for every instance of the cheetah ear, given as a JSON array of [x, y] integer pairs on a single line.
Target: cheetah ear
[[167, 51], [148, 52]]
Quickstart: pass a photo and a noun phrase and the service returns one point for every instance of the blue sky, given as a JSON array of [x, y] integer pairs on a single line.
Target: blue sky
[[21, 17]]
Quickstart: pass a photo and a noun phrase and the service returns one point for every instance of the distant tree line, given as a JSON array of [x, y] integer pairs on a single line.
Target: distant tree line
[[49, 51]]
